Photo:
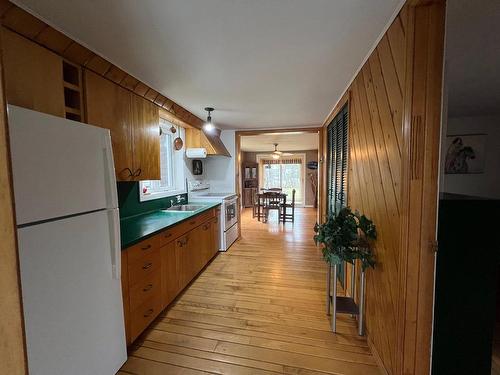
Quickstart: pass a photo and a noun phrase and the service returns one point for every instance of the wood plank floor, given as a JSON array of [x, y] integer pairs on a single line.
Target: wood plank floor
[[256, 309]]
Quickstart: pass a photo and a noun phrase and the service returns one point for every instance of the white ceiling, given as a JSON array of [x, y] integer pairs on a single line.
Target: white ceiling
[[473, 57], [286, 142], [260, 63]]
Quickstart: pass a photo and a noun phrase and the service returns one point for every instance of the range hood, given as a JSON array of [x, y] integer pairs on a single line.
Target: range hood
[[198, 138]]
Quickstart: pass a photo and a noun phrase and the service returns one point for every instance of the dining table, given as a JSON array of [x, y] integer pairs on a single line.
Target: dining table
[[269, 199]]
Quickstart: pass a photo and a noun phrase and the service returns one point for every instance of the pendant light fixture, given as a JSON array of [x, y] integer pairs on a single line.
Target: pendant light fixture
[[208, 126]]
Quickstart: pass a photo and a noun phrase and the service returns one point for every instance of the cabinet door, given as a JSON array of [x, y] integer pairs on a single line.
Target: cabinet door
[[109, 106], [33, 75], [215, 234], [247, 197], [170, 272], [205, 244], [183, 249], [146, 139]]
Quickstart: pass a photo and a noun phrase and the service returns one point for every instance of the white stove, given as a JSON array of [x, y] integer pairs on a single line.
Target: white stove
[[199, 191]]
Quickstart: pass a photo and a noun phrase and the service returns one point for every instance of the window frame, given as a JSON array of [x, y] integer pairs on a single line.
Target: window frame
[[296, 155], [177, 168]]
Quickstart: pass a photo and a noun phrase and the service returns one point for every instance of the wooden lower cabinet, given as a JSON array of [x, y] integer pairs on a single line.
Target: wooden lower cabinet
[[157, 269], [215, 233], [248, 194], [170, 268]]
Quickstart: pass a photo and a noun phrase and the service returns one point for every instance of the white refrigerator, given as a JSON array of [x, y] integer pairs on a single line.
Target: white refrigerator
[[68, 231]]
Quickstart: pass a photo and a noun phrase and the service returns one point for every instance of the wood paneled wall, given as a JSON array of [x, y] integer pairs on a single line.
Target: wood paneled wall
[[21, 22], [394, 105], [12, 349]]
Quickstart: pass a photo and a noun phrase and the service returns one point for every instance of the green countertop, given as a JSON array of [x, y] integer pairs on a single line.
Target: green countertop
[[137, 228]]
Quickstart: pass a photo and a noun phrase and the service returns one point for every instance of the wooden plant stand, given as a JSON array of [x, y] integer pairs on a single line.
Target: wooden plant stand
[[344, 305]]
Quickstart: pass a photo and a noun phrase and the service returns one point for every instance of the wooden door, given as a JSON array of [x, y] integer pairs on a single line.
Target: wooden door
[[33, 75], [109, 106], [146, 139], [170, 271]]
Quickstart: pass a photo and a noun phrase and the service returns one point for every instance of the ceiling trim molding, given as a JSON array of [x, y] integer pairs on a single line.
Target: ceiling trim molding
[[246, 132]]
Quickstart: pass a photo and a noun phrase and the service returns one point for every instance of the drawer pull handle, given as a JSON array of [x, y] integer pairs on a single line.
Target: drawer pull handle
[[193, 222], [146, 247], [180, 243], [148, 313], [168, 235], [205, 227], [147, 265], [147, 287]]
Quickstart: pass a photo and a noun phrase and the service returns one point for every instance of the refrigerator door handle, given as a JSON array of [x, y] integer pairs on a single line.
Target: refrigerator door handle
[[112, 195], [114, 222]]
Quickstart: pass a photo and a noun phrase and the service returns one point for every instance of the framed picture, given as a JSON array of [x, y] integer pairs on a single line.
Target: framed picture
[[197, 167], [464, 154]]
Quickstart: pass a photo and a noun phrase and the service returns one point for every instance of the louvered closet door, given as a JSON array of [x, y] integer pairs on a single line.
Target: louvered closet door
[[337, 161], [337, 158], [342, 147]]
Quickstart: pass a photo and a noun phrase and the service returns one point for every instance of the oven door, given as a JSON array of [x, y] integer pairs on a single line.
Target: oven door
[[230, 213]]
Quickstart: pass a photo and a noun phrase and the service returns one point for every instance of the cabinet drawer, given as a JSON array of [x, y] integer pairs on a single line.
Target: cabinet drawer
[[171, 234], [205, 216], [143, 268], [148, 287], [143, 315], [143, 248], [198, 220], [178, 230]]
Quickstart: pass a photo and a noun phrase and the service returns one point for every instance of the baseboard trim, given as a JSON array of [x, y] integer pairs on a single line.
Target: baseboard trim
[[377, 357]]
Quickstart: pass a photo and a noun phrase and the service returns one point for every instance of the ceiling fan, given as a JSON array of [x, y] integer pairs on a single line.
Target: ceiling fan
[[277, 154]]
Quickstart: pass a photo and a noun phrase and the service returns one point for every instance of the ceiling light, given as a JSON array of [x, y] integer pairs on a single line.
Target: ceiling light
[[208, 126], [275, 156]]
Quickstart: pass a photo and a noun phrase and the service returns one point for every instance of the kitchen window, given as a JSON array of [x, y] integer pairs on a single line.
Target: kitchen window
[[171, 166]]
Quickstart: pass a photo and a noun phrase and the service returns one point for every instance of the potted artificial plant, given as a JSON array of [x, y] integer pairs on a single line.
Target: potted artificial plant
[[346, 237]]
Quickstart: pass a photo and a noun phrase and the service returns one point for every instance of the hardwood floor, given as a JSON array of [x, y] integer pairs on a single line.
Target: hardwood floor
[[256, 309]]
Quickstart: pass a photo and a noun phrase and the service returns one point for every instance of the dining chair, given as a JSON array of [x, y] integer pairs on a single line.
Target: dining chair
[[273, 202], [257, 206], [285, 216]]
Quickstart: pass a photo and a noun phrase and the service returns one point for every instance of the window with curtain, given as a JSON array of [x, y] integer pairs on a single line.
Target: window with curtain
[[287, 173]]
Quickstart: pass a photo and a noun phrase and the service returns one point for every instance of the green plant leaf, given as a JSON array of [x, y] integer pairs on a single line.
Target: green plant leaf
[[346, 237]]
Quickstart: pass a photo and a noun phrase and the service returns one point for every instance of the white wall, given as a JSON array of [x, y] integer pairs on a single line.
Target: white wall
[[219, 171], [486, 184]]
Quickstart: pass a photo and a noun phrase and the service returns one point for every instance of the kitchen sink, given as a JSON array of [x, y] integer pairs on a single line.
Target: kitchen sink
[[184, 208]]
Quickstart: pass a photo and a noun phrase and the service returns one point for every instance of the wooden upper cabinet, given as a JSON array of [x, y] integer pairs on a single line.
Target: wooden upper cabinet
[[33, 75], [134, 123], [146, 136], [109, 106]]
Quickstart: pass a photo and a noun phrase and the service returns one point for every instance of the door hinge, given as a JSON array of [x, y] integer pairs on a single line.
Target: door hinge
[[434, 246]]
